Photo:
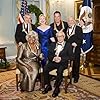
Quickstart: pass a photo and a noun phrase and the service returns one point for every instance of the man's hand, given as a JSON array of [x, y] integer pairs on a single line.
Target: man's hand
[[52, 39], [57, 59], [74, 44]]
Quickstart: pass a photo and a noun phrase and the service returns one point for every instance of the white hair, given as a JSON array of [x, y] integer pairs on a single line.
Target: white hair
[[32, 34]]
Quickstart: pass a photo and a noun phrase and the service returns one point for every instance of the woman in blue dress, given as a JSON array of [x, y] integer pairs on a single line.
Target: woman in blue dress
[[45, 37]]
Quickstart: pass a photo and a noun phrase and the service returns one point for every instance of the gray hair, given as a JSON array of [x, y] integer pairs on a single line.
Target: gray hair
[[60, 33]]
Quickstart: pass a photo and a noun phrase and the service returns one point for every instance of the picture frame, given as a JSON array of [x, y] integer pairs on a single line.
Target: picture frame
[[77, 6]]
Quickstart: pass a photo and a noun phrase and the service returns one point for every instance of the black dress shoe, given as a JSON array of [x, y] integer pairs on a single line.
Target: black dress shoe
[[56, 92], [48, 88], [22, 90], [75, 80]]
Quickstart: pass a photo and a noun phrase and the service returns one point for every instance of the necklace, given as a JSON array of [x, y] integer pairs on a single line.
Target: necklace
[[26, 29], [33, 49], [72, 32], [55, 28]]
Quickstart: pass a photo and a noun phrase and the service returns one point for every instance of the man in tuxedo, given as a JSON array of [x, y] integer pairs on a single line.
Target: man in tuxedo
[[59, 53], [75, 37], [58, 24], [23, 29]]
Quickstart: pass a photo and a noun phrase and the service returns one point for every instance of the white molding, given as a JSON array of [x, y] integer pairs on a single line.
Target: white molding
[[36, 0], [11, 57], [43, 6], [7, 43]]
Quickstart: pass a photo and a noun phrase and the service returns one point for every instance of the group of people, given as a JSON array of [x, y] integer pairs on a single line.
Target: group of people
[[52, 44]]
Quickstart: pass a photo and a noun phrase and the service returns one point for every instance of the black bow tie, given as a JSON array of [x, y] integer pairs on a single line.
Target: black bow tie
[[59, 44], [70, 27]]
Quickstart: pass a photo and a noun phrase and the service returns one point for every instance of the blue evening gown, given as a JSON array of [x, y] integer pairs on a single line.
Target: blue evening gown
[[44, 39]]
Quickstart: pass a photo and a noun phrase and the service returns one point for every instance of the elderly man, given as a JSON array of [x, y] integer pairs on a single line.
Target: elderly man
[[75, 37], [59, 53]]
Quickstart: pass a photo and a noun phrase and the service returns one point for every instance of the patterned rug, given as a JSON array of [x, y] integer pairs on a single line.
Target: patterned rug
[[85, 89]]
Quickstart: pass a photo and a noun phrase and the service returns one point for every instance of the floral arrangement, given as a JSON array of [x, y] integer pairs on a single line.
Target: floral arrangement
[[2, 65], [36, 10]]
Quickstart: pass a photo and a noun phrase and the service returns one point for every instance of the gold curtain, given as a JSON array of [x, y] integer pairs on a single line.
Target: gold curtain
[[47, 11]]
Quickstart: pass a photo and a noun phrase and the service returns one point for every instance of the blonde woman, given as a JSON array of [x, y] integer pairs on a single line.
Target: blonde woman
[[27, 57], [45, 36]]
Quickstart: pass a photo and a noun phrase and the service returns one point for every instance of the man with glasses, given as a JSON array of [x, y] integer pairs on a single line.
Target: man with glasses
[[58, 55]]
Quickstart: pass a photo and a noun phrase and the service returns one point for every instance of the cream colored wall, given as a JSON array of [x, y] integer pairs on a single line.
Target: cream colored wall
[[7, 25], [7, 21]]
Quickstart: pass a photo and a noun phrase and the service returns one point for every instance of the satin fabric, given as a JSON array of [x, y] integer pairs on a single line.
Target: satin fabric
[[44, 39], [28, 65]]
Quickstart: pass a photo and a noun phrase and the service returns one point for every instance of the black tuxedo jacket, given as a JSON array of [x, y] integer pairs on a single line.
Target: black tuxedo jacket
[[65, 54], [77, 38], [20, 36]]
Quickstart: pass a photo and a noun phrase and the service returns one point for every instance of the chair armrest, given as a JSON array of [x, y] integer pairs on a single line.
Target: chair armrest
[[40, 70], [17, 71]]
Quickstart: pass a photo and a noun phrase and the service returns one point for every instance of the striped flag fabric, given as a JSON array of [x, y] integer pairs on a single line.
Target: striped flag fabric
[[24, 10], [86, 17]]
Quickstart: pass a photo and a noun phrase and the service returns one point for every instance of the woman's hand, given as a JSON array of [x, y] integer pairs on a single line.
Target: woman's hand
[[29, 68], [41, 56]]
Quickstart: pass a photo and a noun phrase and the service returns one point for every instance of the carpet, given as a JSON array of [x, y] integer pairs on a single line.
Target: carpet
[[80, 91]]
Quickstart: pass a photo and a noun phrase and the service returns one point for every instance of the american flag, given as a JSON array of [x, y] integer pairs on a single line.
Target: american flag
[[24, 10]]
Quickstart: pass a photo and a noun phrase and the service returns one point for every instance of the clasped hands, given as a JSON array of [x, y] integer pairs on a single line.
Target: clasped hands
[[57, 59]]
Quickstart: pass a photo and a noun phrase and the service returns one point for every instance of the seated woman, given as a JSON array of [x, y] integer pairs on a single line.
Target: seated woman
[[27, 59]]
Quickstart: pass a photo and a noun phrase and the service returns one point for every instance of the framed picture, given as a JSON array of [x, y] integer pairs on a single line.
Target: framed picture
[[77, 6]]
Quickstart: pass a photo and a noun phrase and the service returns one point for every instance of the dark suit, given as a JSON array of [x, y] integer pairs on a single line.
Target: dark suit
[[77, 38], [20, 36], [59, 28], [65, 54]]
